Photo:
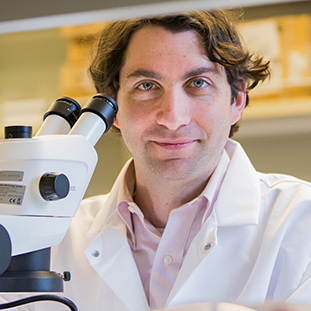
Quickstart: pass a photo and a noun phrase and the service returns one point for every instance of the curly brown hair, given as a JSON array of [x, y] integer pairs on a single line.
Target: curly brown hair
[[219, 36]]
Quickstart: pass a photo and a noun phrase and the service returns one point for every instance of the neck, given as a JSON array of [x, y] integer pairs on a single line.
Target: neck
[[157, 197]]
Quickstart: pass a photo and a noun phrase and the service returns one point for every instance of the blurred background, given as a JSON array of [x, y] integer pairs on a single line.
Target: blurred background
[[38, 66]]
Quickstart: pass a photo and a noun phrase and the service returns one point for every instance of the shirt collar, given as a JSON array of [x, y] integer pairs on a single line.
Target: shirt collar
[[240, 195], [214, 184]]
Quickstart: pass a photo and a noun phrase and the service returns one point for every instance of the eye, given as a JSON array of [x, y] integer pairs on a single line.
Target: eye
[[146, 86], [199, 83]]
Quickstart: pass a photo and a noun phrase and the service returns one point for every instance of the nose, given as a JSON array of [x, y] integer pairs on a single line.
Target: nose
[[174, 110]]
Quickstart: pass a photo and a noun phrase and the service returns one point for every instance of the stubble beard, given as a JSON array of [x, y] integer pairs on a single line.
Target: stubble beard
[[180, 169]]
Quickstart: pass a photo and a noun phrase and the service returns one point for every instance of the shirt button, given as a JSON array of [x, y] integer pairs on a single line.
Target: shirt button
[[131, 209], [167, 260]]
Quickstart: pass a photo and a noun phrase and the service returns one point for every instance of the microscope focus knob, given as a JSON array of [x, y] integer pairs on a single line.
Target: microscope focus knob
[[54, 186]]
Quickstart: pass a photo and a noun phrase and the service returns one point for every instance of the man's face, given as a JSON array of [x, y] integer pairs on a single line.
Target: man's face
[[175, 105]]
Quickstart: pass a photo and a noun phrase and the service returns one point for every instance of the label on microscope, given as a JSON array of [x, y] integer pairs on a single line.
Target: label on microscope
[[11, 175], [12, 194]]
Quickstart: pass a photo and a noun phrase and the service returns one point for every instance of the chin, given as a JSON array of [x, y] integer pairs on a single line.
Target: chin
[[174, 169]]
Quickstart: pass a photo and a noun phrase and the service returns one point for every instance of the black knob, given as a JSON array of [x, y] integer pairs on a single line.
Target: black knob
[[66, 276], [54, 186]]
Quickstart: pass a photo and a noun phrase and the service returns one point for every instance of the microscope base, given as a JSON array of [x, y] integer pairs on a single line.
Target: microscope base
[[31, 281], [30, 273]]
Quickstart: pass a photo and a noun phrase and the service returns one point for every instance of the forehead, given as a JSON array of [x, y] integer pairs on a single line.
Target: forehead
[[154, 47], [153, 38]]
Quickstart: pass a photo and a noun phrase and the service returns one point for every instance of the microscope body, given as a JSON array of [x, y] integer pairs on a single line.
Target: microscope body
[[42, 182], [23, 163]]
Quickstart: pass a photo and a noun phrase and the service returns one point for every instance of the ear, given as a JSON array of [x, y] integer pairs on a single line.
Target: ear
[[116, 122], [238, 106]]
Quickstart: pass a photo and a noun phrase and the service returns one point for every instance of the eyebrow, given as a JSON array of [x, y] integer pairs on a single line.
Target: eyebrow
[[144, 73], [155, 75], [199, 71]]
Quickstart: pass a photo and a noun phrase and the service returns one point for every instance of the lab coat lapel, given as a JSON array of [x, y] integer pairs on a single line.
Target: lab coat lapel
[[238, 204], [115, 265], [113, 259]]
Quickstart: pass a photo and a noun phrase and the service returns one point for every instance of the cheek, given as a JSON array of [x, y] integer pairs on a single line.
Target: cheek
[[132, 122], [133, 113], [215, 120], [132, 117], [124, 115]]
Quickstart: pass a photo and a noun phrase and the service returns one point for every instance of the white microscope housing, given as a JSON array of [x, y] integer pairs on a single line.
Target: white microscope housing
[[43, 178]]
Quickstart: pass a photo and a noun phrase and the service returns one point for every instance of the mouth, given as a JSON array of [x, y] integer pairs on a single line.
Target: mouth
[[174, 145]]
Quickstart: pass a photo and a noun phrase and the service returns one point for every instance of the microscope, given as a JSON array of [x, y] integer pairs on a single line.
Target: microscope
[[42, 182]]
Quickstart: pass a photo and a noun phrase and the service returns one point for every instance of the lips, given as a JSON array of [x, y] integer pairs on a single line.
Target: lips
[[174, 145]]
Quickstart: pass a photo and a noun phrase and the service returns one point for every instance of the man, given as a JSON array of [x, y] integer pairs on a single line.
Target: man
[[188, 220]]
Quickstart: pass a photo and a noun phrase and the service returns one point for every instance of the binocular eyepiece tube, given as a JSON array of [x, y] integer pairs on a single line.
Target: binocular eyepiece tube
[[65, 116], [96, 118], [60, 117]]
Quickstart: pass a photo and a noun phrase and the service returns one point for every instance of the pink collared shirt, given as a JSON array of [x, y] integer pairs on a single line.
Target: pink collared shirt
[[159, 255]]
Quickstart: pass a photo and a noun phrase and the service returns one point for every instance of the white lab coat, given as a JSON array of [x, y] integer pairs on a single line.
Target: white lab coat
[[259, 233]]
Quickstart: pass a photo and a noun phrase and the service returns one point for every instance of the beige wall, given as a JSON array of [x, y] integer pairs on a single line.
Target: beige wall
[[30, 72], [29, 64], [289, 154]]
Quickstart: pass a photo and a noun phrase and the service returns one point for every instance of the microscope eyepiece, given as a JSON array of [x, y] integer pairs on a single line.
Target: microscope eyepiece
[[65, 107], [96, 118], [60, 117], [104, 106], [18, 131]]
